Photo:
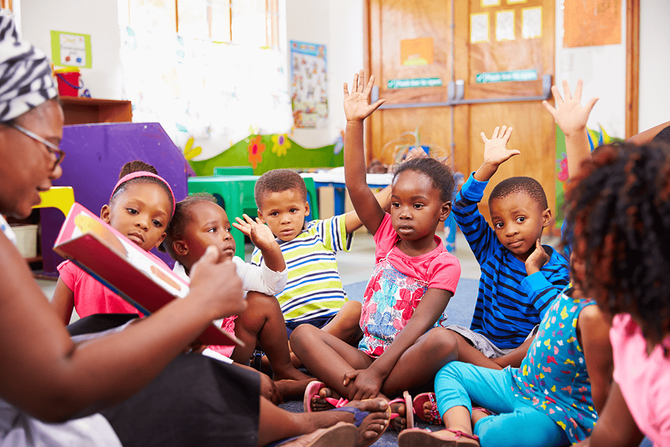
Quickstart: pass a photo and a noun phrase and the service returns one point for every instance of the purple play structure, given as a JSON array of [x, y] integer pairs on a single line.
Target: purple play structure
[[95, 155]]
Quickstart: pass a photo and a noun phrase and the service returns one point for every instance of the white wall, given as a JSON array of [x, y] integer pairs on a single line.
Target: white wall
[[654, 63], [99, 18], [338, 24], [603, 69]]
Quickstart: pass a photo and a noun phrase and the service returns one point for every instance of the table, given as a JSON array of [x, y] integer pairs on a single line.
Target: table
[[335, 178]]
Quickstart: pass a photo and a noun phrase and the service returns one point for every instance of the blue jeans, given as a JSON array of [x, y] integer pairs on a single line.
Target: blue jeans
[[516, 424]]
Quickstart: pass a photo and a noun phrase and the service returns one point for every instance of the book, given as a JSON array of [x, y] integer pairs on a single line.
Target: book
[[137, 276]]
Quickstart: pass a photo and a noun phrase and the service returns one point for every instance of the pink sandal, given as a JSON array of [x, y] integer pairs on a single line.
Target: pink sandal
[[313, 390], [409, 414], [418, 405]]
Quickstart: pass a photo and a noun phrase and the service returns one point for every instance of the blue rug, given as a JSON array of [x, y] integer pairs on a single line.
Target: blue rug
[[459, 311]]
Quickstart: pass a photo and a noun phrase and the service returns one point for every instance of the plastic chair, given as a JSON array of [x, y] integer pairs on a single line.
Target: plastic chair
[[235, 194], [61, 197]]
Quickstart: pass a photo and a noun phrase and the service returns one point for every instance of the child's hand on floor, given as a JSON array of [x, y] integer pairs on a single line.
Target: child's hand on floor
[[569, 114], [259, 233], [537, 259], [357, 105]]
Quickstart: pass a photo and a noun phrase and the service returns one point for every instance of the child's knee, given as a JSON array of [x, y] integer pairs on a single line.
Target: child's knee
[[350, 312], [442, 343], [302, 335]]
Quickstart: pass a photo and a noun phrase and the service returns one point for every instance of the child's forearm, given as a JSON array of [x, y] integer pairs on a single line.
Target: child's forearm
[[354, 159], [485, 172], [274, 259], [577, 150]]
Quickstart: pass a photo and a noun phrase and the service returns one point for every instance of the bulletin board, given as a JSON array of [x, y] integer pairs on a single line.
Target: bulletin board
[[591, 22], [309, 79]]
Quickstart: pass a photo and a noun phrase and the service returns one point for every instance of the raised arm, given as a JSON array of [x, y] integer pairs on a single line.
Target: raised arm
[[571, 117], [45, 374], [495, 153], [357, 107], [352, 221]]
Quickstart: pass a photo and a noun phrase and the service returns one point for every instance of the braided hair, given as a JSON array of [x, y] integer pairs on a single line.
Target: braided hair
[[618, 211]]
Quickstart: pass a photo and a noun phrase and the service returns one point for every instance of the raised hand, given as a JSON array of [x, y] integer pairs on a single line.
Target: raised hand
[[357, 105], [259, 233], [495, 149], [569, 114], [537, 259]]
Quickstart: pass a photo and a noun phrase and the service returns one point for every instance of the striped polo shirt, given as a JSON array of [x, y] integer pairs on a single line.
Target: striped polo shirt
[[314, 287], [509, 302]]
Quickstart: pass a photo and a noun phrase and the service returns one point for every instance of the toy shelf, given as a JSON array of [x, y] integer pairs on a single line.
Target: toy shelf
[[91, 110]]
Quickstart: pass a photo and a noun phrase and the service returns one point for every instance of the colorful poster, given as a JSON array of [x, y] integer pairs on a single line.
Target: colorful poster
[[71, 49], [416, 51], [591, 22], [308, 85]]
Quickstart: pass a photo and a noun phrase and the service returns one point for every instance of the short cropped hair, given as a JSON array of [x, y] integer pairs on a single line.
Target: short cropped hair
[[181, 218], [438, 172], [514, 185], [278, 180]]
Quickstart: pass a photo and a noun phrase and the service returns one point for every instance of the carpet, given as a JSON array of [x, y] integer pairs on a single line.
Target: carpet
[[459, 311]]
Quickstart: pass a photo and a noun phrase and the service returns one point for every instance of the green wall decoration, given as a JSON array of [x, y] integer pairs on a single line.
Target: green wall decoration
[[267, 152]]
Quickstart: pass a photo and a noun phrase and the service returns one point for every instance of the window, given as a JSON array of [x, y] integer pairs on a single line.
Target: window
[[244, 22]]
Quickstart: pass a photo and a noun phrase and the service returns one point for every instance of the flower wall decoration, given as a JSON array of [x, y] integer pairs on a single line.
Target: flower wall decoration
[[189, 151], [281, 144], [256, 149]]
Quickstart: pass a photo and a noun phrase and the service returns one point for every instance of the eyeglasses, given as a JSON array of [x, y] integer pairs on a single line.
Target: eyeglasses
[[52, 148]]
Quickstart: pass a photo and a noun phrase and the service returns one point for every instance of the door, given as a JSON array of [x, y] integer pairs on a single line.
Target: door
[[494, 61]]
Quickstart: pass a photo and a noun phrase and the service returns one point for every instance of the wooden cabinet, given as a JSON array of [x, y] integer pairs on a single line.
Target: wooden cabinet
[[91, 110]]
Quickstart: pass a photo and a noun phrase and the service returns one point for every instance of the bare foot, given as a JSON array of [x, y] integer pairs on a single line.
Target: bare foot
[[340, 434], [374, 424], [399, 423]]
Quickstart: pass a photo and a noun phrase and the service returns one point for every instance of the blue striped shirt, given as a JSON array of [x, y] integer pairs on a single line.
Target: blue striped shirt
[[509, 303], [314, 287]]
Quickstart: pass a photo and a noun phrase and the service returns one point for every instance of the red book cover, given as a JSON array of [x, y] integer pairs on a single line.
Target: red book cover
[[137, 276]]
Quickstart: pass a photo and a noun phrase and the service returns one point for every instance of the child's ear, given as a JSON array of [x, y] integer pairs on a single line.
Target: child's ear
[[444, 213], [260, 215], [160, 241], [105, 213], [306, 208], [180, 247], [546, 218]]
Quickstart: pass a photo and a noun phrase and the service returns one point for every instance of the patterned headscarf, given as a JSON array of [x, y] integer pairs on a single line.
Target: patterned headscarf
[[25, 73]]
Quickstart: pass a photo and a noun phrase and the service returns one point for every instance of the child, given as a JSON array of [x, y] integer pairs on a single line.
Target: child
[[313, 293], [562, 382], [618, 213], [514, 293], [199, 222], [413, 280], [140, 207]]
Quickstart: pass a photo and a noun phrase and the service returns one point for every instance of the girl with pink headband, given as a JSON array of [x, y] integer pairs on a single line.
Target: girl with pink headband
[[140, 207]]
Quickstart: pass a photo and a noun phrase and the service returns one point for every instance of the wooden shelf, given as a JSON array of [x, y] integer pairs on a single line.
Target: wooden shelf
[[91, 110]]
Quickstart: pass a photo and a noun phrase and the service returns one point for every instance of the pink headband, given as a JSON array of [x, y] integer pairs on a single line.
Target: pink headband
[[136, 174]]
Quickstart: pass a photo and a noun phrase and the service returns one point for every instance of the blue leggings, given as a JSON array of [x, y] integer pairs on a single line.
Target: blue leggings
[[517, 424]]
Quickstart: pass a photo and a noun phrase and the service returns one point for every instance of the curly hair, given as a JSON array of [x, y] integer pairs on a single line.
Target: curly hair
[[278, 180], [439, 173], [181, 218], [136, 166], [514, 185], [618, 212]]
